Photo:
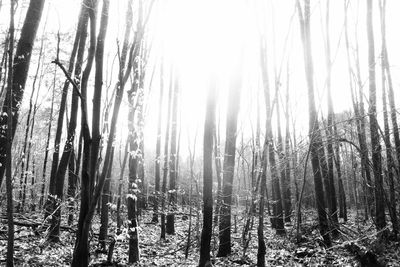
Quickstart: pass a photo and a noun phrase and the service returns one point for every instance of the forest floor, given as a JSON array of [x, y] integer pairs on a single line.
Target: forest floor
[[357, 240]]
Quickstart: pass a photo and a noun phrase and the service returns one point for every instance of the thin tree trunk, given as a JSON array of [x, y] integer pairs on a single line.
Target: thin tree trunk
[[209, 126], [314, 135], [165, 170], [46, 153], [282, 167], [158, 149], [69, 144], [173, 169], [120, 185], [330, 132], [359, 113], [105, 200], [229, 161], [78, 48], [277, 219], [376, 146], [391, 170]]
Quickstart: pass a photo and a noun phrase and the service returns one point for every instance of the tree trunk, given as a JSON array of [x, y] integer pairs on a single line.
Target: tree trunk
[[360, 114], [173, 169], [209, 126], [105, 200], [69, 144], [375, 143], [281, 157], [46, 153], [158, 149], [314, 135], [391, 169], [330, 134], [20, 73], [277, 219], [288, 193], [165, 170], [8, 106], [79, 43], [229, 161]]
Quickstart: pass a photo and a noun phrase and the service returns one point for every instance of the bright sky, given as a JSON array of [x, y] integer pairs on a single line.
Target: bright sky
[[199, 37]]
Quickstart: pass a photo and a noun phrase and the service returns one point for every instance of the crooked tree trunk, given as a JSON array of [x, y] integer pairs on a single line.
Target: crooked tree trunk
[[314, 135], [21, 63]]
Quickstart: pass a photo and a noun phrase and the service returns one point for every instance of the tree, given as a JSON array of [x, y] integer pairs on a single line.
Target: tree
[[158, 148], [77, 95], [166, 146], [22, 60], [173, 166], [277, 220], [229, 161], [209, 126], [314, 135], [76, 54], [373, 125], [330, 131], [8, 106], [391, 169]]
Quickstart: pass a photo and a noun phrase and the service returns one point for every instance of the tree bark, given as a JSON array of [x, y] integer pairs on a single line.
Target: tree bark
[[229, 161], [209, 126], [391, 169], [21, 67], [375, 143], [330, 133], [173, 169], [8, 105], [158, 149], [314, 135]]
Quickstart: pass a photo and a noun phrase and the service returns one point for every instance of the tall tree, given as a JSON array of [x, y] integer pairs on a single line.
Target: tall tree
[[22, 60], [166, 149], [158, 147], [79, 93], [314, 135], [81, 251], [277, 220], [391, 169], [76, 54], [209, 126], [373, 125], [173, 169], [358, 106], [330, 130], [229, 160], [8, 106]]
